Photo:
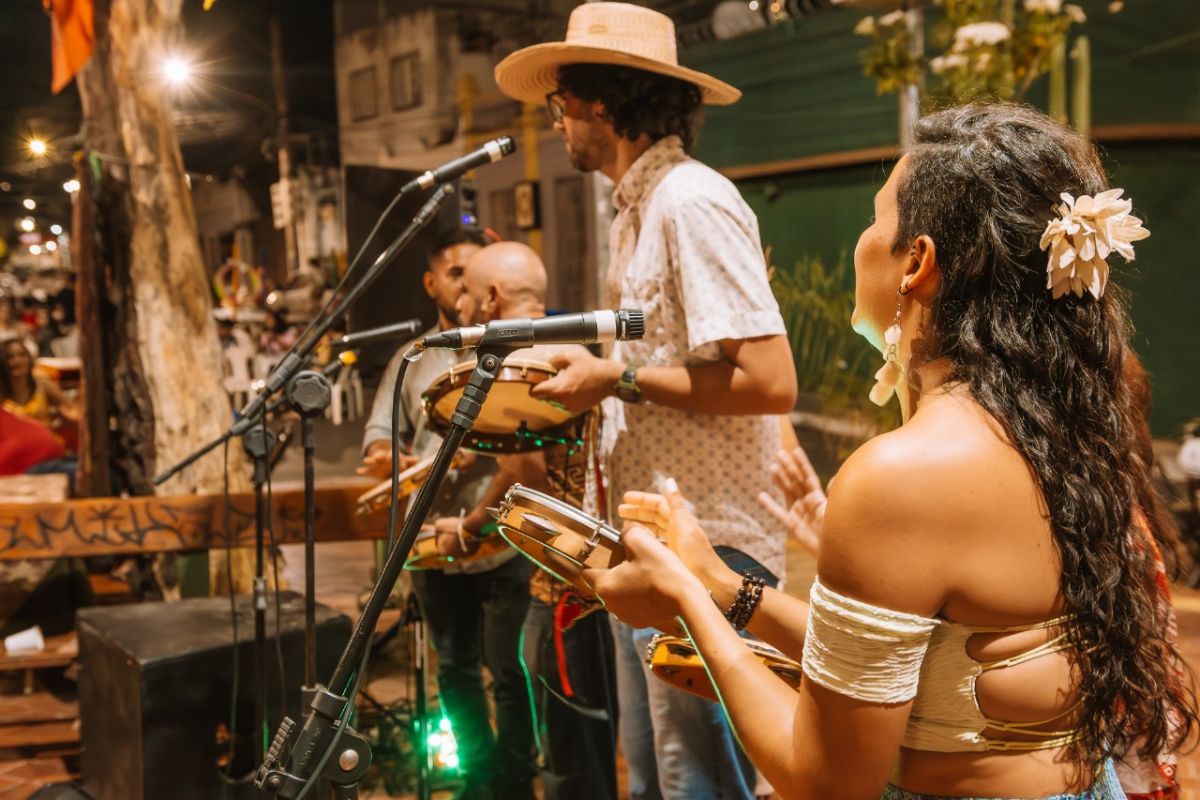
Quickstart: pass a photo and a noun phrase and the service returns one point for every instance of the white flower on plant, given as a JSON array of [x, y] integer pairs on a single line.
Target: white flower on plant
[[1081, 238], [1043, 6], [980, 33], [892, 18], [1075, 13], [943, 64], [865, 26]]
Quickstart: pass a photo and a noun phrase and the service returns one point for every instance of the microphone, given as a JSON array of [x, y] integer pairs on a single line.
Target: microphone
[[491, 151], [408, 329], [584, 327]]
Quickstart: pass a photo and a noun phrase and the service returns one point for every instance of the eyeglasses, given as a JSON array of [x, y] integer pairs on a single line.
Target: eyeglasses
[[556, 104]]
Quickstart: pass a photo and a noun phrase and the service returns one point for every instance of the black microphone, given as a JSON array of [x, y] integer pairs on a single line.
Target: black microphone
[[407, 329], [491, 151], [584, 327]]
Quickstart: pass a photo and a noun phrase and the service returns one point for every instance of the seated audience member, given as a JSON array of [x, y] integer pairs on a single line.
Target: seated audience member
[[277, 336], [22, 392]]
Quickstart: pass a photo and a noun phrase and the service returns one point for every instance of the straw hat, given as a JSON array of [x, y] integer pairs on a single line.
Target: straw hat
[[606, 33]]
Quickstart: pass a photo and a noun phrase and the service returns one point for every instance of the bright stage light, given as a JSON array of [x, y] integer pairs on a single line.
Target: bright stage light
[[27, 224], [29, 203], [56, 229], [177, 71], [37, 146], [35, 249], [71, 186], [51, 245]]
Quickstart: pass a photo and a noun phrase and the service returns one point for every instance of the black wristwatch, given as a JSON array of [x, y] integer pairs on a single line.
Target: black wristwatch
[[627, 388]]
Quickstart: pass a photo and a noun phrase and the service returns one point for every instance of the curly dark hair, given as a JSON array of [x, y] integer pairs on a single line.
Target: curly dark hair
[[637, 102], [982, 181]]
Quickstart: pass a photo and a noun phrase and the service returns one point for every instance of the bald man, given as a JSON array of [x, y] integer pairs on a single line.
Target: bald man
[[567, 639]]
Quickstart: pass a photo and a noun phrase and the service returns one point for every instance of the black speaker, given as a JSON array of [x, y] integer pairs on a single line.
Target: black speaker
[[155, 688]]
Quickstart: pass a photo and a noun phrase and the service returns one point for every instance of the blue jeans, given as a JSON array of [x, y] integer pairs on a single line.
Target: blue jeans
[[475, 621], [1106, 787], [677, 746], [577, 734]]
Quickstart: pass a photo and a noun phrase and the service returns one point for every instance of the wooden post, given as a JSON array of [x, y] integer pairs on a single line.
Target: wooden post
[[1058, 82], [1081, 86], [160, 352], [283, 147], [530, 117], [910, 93]]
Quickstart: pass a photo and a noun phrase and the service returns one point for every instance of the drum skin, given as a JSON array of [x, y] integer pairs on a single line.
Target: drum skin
[[511, 419], [556, 536]]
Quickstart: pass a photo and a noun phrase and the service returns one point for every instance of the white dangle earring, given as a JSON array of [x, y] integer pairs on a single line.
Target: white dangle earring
[[888, 376]]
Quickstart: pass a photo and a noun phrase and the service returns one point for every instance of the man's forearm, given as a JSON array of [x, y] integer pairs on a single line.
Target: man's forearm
[[720, 387]]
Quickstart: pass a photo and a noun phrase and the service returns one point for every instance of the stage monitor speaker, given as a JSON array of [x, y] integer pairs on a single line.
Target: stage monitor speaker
[[155, 692]]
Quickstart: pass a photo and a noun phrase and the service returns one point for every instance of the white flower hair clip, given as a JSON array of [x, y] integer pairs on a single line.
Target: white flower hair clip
[[1080, 239]]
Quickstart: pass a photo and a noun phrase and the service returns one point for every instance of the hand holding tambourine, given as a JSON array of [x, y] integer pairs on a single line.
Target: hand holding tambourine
[[667, 515]]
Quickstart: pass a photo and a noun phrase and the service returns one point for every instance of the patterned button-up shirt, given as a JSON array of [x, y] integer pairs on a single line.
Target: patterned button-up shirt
[[685, 248]]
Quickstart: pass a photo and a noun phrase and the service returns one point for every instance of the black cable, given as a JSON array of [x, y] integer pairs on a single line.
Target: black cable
[[394, 511], [350, 271], [226, 777], [315, 776], [275, 573]]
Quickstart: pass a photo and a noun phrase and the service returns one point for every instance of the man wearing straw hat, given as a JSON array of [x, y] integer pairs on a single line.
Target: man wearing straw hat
[[695, 399]]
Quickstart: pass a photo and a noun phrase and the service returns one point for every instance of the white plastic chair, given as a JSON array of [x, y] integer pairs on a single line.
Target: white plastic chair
[[347, 400], [238, 374]]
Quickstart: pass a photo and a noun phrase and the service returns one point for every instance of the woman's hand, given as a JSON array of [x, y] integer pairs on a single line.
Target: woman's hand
[[804, 514], [649, 586], [668, 517]]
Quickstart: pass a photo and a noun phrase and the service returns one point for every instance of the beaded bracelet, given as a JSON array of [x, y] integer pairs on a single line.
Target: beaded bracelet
[[746, 602]]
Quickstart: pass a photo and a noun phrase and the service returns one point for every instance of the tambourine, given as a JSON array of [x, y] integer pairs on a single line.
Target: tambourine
[[511, 419], [556, 536], [675, 660], [424, 554], [379, 498], [410, 480]]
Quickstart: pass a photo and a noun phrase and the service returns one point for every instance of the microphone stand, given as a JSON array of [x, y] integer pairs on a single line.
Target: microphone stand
[[298, 758], [257, 442], [294, 362]]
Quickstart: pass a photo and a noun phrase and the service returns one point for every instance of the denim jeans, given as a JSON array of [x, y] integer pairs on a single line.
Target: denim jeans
[[473, 621], [678, 746], [1106, 787], [577, 735]]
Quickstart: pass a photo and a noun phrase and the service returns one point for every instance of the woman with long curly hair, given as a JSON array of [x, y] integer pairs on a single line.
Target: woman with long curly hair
[[985, 621]]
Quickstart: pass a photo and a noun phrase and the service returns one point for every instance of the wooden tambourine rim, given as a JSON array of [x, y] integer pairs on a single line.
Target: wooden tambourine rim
[[424, 549], [540, 545], [664, 648], [410, 480], [527, 372]]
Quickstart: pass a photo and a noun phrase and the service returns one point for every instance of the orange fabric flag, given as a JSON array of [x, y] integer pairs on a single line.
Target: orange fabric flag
[[73, 33]]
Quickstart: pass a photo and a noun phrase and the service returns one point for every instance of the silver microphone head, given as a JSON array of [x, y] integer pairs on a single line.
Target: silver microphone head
[[631, 324]]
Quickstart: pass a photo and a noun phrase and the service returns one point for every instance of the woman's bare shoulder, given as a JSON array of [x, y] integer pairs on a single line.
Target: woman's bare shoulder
[[903, 507]]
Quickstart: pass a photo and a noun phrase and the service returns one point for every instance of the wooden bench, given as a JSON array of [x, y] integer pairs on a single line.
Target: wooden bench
[[39, 733]]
